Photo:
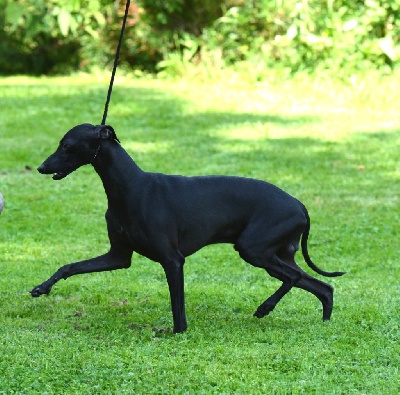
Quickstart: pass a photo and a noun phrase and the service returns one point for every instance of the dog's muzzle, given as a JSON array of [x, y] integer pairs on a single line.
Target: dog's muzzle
[[56, 175]]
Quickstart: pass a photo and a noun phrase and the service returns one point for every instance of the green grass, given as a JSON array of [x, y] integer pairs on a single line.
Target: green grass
[[332, 145]]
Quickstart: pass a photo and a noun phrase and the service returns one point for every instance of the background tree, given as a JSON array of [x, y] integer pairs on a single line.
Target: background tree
[[50, 36]]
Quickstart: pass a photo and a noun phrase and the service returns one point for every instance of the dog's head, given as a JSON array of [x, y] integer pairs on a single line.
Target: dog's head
[[80, 146]]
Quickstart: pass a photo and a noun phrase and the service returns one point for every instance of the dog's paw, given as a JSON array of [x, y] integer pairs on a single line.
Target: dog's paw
[[260, 314], [39, 290], [263, 310]]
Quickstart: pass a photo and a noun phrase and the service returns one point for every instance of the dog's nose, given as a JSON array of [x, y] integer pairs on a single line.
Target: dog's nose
[[41, 169]]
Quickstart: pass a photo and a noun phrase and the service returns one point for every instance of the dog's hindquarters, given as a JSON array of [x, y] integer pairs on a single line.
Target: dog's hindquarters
[[273, 248]]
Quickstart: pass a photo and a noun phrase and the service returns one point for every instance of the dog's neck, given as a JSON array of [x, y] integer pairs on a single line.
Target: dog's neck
[[116, 170]]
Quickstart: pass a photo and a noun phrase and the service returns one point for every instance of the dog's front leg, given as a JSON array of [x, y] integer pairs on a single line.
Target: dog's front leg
[[106, 262], [174, 273]]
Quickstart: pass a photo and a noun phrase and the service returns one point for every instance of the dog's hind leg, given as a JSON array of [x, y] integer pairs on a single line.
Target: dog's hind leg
[[260, 249], [284, 270], [323, 291], [266, 307], [293, 276], [278, 260], [288, 280]]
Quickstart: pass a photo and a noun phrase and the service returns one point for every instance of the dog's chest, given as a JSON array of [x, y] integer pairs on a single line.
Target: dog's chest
[[130, 231]]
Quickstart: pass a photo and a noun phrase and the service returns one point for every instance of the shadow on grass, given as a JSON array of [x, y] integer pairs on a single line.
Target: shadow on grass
[[35, 118], [163, 133], [137, 107], [165, 126]]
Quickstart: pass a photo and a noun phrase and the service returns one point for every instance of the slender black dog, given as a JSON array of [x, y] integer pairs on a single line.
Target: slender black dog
[[169, 217]]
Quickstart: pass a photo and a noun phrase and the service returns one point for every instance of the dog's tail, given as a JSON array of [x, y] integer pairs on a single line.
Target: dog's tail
[[304, 250]]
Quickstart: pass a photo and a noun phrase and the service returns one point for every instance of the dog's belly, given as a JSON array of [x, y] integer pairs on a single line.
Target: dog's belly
[[195, 239]]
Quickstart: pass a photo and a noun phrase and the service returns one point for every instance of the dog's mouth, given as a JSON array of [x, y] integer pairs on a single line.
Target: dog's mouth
[[59, 175], [58, 172]]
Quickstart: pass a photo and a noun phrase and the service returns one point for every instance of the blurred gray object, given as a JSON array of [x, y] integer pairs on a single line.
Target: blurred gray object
[[1, 203]]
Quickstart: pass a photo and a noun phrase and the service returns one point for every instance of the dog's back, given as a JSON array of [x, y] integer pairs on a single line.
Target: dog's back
[[203, 210]]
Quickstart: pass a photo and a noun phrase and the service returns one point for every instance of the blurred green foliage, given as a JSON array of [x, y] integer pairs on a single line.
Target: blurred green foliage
[[50, 36]]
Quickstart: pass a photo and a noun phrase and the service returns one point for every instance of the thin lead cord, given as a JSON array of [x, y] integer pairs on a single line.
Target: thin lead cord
[[103, 122]]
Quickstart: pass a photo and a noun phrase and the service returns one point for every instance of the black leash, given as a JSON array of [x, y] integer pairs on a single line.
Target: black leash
[[128, 3]]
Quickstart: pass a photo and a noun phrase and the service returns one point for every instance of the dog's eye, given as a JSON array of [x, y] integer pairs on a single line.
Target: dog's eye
[[65, 146]]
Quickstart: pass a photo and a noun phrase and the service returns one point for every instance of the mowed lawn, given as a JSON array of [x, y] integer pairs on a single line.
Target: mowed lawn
[[333, 145]]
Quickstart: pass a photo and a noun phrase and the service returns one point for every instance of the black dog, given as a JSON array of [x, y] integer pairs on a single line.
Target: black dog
[[169, 217]]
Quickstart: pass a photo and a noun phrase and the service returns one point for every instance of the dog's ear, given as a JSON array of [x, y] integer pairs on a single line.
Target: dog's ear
[[107, 132]]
